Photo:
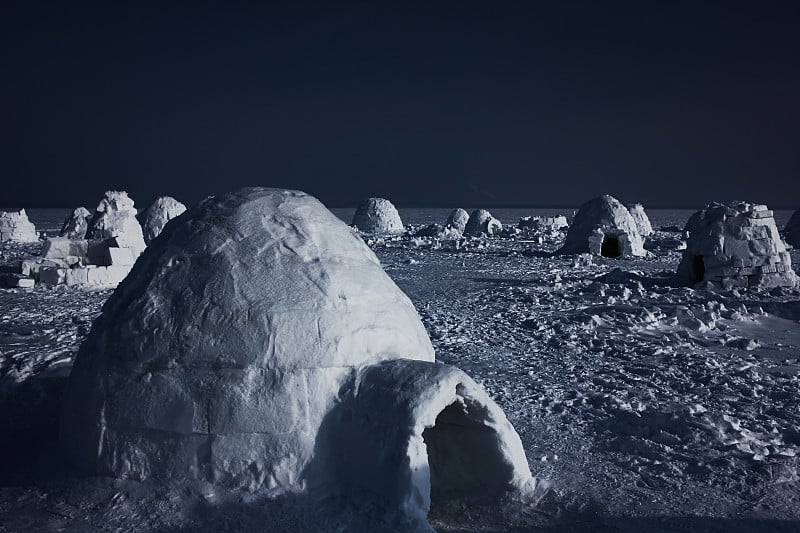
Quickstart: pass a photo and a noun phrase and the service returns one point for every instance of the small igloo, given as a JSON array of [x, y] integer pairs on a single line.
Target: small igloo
[[155, 217], [481, 222], [458, 219], [642, 220], [735, 244], [378, 216], [115, 217], [603, 226], [792, 230], [15, 227], [257, 343], [76, 224]]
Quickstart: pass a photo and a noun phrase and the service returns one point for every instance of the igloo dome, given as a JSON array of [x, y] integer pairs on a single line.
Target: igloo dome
[[241, 343], [792, 230], [15, 226], [458, 219], [736, 243], [642, 220], [378, 215], [481, 222], [603, 226], [155, 217]]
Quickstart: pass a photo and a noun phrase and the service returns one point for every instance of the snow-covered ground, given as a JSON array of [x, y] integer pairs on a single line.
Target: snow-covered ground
[[641, 405]]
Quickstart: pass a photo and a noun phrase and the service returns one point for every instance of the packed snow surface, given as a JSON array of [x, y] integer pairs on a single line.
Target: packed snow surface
[[642, 404]]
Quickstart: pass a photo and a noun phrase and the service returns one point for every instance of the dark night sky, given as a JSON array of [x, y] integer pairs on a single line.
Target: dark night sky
[[669, 103]]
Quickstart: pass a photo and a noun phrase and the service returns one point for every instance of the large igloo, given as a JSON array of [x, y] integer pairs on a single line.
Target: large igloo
[[736, 244], [792, 230], [257, 343], [379, 216], [603, 226], [155, 217]]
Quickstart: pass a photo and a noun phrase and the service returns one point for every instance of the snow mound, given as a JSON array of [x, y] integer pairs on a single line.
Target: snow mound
[[792, 230], [735, 244], [76, 224], [603, 226], [155, 217], [458, 219], [15, 226], [378, 215], [115, 217], [481, 222], [642, 220]]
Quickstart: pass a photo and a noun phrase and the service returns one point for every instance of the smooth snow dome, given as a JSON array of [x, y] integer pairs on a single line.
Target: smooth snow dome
[[642, 220], [458, 219], [76, 224], [603, 226], [737, 244], [792, 230], [115, 216], [155, 217], [379, 216], [15, 226], [481, 222]]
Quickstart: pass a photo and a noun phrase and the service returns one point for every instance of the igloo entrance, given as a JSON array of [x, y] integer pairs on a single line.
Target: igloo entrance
[[465, 455], [610, 246], [698, 268]]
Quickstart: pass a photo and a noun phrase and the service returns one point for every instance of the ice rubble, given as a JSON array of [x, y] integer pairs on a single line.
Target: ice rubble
[[481, 222], [259, 344], [76, 224], [15, 226], [792, 230], [155, 217], [603, 226], [378, 215], [458, 219], [736, 244], [115, 217], [642, 220]]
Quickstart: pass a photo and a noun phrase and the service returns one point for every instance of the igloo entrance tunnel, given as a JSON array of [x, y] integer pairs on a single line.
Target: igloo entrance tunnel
[[257, 343]]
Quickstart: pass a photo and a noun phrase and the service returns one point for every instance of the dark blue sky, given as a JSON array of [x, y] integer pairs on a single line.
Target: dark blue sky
[[426, 103]]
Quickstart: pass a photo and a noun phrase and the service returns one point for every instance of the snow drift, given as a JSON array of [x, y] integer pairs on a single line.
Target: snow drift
[[250, 344]]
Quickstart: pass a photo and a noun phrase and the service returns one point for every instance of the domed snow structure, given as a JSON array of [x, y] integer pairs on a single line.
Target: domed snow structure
[[458, 219], [15, 226], [76, 224], [642, 220], [379, 216], [481, 222], [603, 226], [115, 217], [792, 230], [155, 217], [257, 343], [738, 244]]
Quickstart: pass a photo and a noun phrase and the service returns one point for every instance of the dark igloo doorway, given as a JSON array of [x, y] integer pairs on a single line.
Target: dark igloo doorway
[[698, 269], [465, 455], [610, 246]]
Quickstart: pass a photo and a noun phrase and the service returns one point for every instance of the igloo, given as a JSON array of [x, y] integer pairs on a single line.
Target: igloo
[[458, 219], [15, 226], [642, 220], [115, 217], [481, 222], [736, 244], [379, 216], [257, 343], [76, 224], [155, 217], [792, 230], [603, 226]]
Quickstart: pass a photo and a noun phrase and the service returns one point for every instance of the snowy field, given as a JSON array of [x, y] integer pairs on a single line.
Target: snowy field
[[642, 406]]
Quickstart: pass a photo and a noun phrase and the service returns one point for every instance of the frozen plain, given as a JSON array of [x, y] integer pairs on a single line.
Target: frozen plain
[[641, 405]]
